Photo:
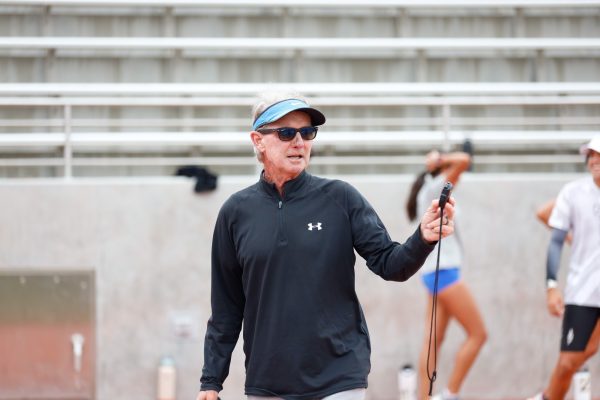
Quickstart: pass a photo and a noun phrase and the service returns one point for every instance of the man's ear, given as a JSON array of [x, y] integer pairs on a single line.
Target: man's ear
[[257, 140]]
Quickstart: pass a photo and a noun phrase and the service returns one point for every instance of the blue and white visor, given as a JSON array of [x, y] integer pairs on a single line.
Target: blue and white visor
[[284, 107]]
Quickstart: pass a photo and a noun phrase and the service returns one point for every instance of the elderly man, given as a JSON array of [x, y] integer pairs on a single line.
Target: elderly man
[[577, 209], [283, 264]]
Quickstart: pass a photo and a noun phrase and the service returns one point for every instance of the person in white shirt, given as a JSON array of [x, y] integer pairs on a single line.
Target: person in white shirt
[[454, 298], [577, 209]]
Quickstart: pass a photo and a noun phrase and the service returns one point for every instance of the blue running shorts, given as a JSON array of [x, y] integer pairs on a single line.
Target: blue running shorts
[[447, 277]]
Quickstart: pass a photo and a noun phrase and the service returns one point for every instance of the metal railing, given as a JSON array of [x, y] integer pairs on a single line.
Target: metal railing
[[223, 148], [305, 45], [340, 4]]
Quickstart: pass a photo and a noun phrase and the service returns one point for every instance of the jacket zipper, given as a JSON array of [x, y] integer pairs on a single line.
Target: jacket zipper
[[282, 240]]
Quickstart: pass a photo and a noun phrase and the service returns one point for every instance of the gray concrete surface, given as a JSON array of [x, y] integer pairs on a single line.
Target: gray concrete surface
[[148, 242]]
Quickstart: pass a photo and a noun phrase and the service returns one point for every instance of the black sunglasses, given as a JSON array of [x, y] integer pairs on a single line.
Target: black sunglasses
[[287, 134]]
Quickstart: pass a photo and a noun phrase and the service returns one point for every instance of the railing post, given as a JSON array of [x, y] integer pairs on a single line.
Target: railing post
[[519, 22], [401, 22], [540, 66], [46, 21], [298, 66], [446, 126], [67, 149], [421, 66], [287, 27], [169, 23]]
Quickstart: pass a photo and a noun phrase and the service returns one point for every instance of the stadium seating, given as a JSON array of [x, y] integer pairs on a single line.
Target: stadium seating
[[96, 83]]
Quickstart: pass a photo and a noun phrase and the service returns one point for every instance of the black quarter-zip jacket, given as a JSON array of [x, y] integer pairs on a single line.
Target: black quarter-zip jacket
[[284, 265]]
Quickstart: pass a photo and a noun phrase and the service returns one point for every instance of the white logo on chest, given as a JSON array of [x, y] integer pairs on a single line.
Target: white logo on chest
[[317, 226]]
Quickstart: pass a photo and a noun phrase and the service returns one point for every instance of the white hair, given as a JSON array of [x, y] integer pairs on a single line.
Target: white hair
[[265, 100]]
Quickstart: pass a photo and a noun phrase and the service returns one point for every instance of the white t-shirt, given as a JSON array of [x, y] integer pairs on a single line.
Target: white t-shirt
[[578, 209], [451, 254]]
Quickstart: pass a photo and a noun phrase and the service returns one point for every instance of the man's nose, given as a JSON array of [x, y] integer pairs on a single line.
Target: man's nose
[[297, 139]]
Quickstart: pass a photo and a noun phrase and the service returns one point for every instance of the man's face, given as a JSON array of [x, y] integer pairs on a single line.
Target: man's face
[[594, 164], [287, 159]]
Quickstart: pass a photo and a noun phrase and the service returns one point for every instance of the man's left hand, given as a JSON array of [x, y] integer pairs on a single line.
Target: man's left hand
[[430, 223]]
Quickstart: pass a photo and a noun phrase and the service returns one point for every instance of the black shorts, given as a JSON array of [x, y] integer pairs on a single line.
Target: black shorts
[[578, 324]]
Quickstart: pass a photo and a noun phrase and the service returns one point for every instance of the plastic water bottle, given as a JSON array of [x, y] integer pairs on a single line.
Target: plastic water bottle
[[582, 385], [166, 379], [407, 383]]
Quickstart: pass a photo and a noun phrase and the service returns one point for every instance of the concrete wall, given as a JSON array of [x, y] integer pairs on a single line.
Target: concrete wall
[[148, 242]]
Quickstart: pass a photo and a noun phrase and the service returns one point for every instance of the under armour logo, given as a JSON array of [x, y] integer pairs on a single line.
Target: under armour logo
[[570, 337], [311, 226]]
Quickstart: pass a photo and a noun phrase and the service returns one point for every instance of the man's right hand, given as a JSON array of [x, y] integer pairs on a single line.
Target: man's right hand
[[555, 303], [208, 395]]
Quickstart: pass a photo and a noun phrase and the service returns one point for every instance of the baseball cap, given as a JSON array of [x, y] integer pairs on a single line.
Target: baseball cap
[[593, 144], [284, 107]]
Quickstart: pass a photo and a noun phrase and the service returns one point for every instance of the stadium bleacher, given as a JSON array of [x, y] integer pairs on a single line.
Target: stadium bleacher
[[160, 83]]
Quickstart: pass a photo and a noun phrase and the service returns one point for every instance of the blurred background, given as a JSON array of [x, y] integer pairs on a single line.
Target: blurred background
[[124, 125]]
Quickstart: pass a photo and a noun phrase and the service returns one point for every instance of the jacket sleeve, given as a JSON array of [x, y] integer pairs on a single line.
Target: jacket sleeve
[[388, 259], [227, 304]]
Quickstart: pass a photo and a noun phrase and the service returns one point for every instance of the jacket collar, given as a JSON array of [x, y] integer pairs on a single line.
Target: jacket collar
[[290, 188]]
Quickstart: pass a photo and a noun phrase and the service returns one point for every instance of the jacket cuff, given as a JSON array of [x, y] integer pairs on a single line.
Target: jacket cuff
[[422, 243], [211, 386]]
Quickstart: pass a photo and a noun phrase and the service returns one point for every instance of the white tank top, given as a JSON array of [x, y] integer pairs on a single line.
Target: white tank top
[[451, 254]]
